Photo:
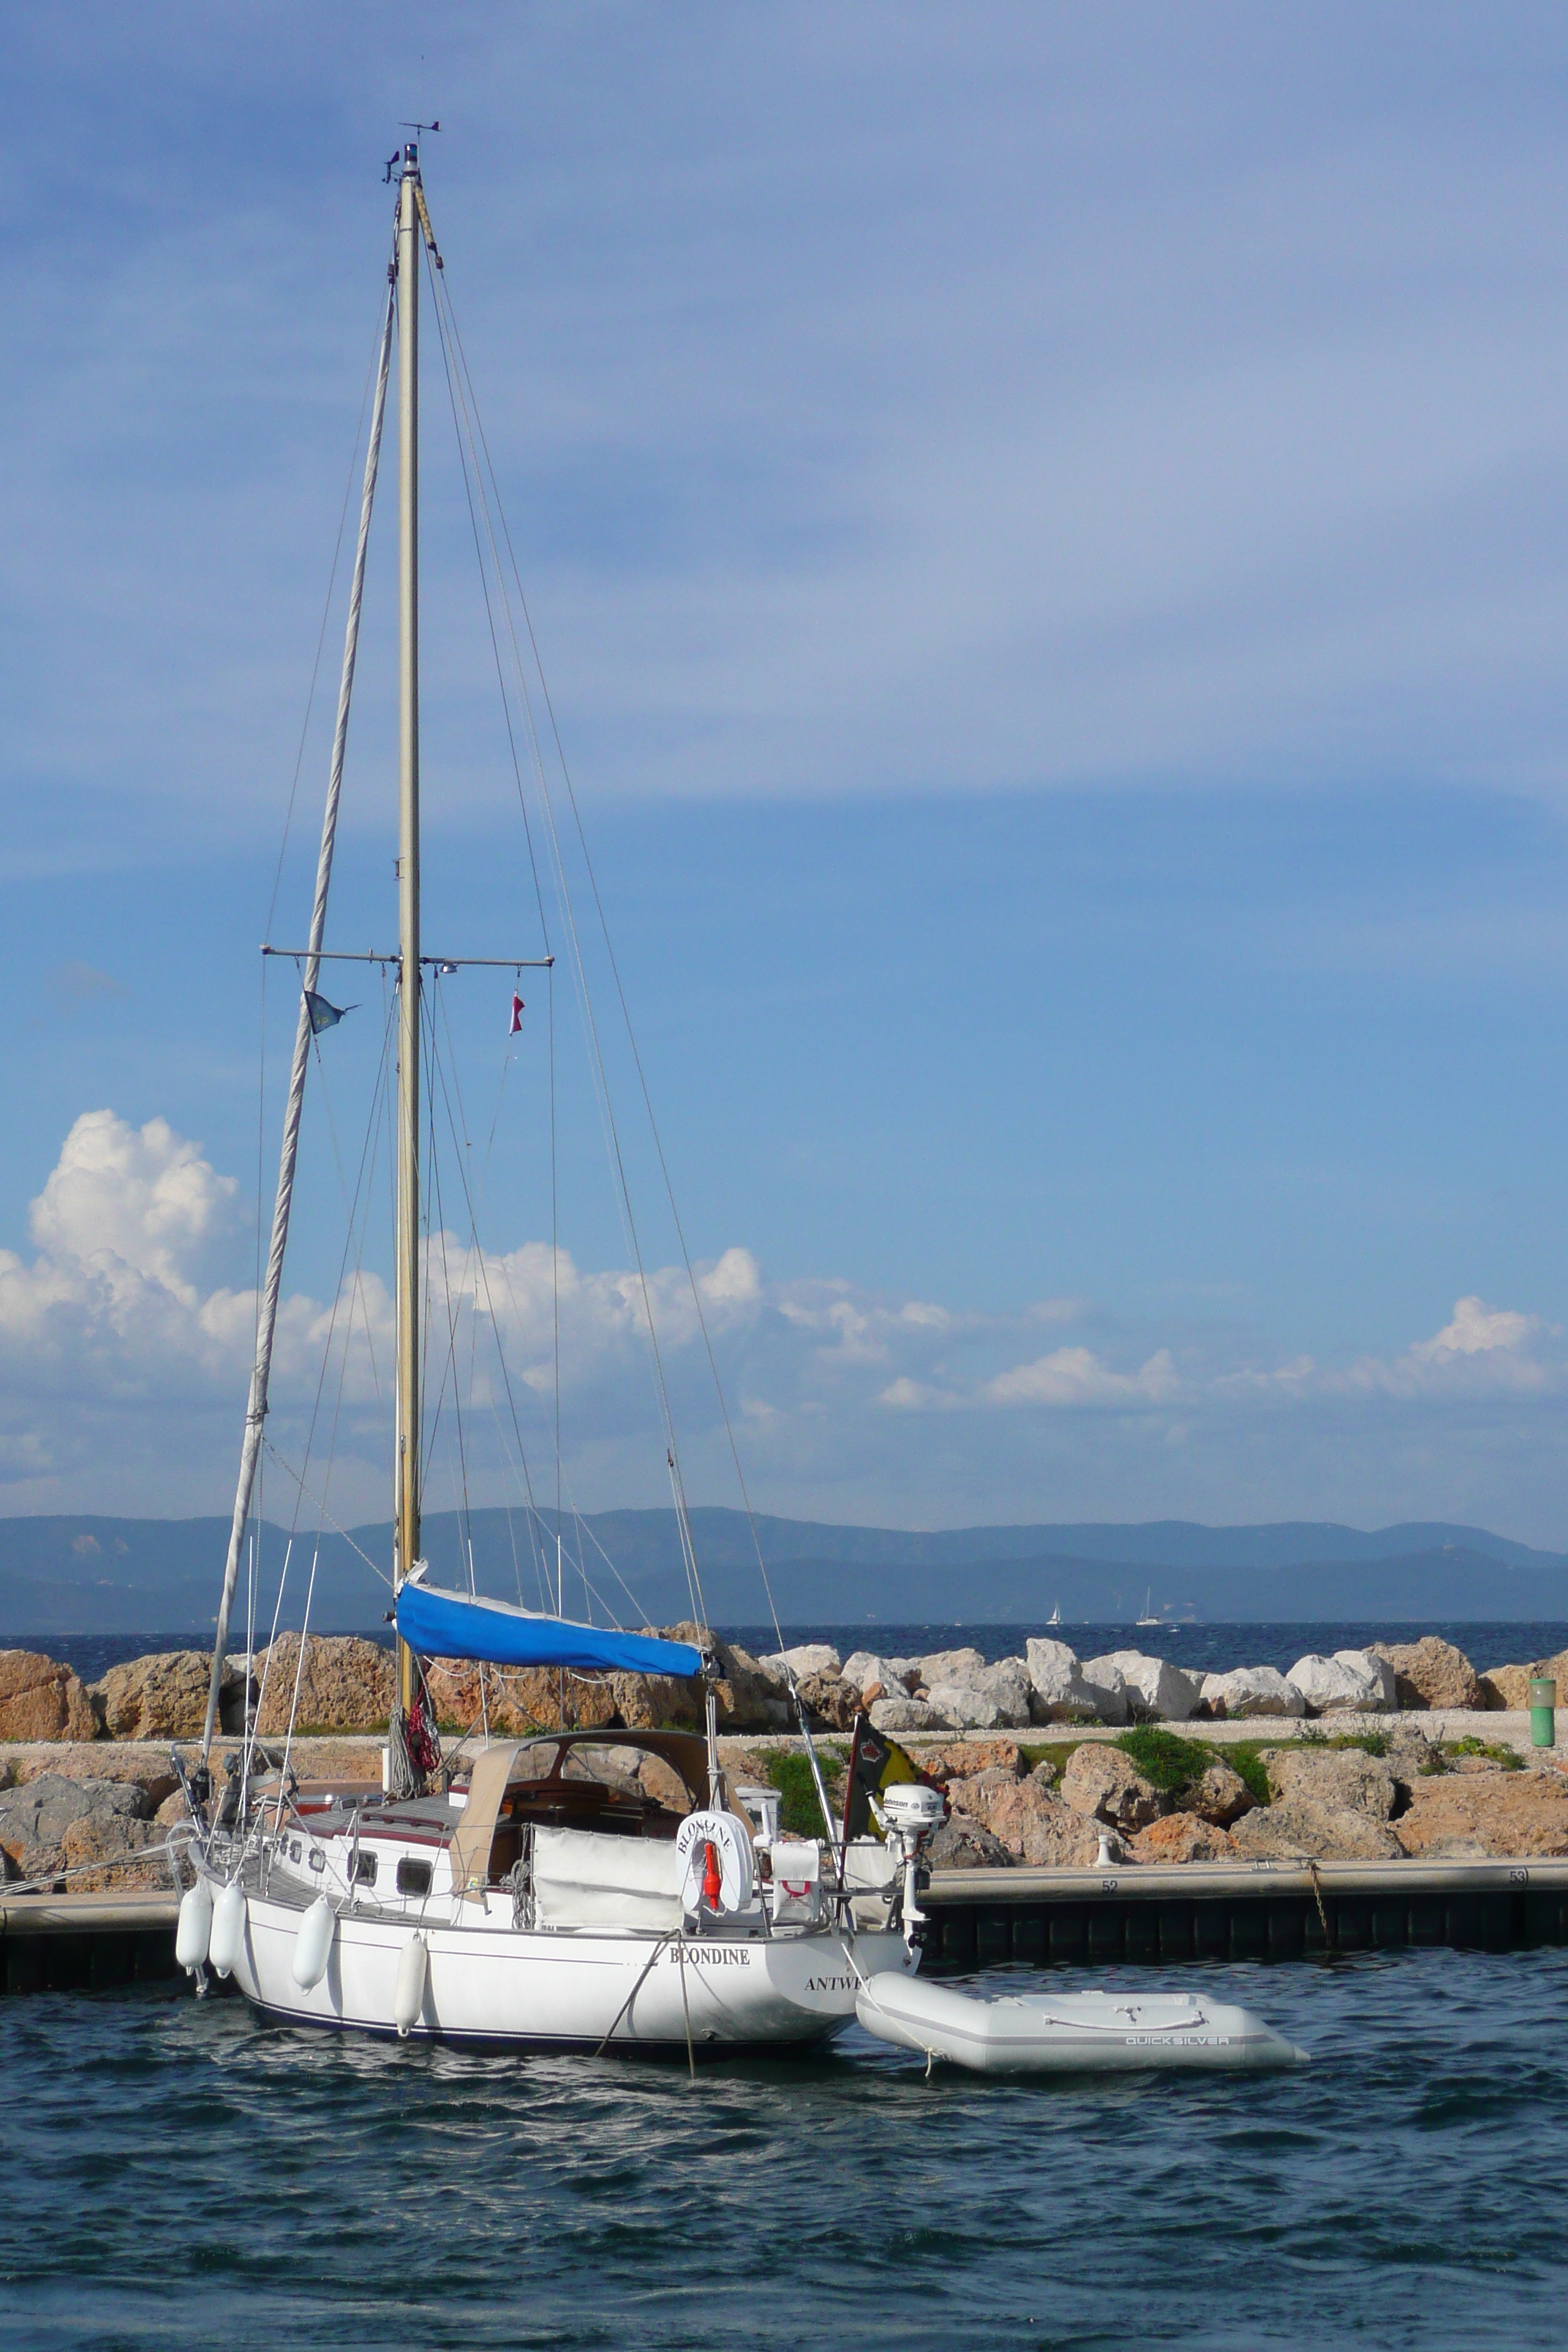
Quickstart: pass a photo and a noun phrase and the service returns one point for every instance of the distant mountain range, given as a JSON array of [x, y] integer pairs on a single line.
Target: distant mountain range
[[110, 1575]]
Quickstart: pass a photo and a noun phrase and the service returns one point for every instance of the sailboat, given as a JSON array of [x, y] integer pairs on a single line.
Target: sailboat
[[580, 1889], [1149, 1617]]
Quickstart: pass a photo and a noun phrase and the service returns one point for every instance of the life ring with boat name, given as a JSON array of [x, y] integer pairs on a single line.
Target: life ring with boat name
[[715, 1858]]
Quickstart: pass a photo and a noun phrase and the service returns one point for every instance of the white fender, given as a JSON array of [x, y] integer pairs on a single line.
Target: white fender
[[409, 1998], [732, 1847], [313, 1944], [226, 1939], [194, 1928]]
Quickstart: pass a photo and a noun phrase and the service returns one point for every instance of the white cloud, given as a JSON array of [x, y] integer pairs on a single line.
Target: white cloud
[[1076, 1376], [1477, 1329], [141, 1200], [123, 1365]]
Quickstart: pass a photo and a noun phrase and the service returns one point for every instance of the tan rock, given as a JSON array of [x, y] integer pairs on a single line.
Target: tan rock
[[829, 1699], [53, 1823], [1100, 1782], [1506, 1687], [1036, 1827], [1334, 1779], [1218, 1796], [41, 1699], [1184, 1837], [959, 1760], [656, 1702], [972, 1792], [516, 1701], [964, 1845], [147, 1768], [664, 1784], [1430, 1672], [1293, 1828], [164, 1696], [113, 1844], [348, 1684], [1504, 1812]]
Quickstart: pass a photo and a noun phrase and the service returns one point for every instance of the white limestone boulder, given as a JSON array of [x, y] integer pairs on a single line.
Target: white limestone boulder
[[966, 1706], [876, 1677], [807, 1658], [1349, 1683], [1059, 1692], [1007, 1682], [1154, 1689], [1103, 1680], [1251, 1690], [908, 1715], [951, 1666]]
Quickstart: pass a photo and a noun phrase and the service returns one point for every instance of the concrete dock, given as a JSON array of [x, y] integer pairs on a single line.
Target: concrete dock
[[987, 1919], [86, 1943], [1237, 1911]]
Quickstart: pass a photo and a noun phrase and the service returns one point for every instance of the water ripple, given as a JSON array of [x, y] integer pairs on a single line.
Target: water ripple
[[176, 2174]]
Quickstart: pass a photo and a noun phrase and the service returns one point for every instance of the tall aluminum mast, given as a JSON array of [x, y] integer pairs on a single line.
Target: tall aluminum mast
[[408, 1473]]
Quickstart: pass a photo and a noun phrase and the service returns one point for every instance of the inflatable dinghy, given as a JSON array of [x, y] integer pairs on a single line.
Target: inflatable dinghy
[[1075, 2032]]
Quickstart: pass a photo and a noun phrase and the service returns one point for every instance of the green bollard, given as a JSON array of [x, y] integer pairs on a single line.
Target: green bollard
[[1543, 1715]]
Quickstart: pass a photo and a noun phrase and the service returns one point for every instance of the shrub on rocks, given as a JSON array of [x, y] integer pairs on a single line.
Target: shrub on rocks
[[41, 1699], [1429, 1673]]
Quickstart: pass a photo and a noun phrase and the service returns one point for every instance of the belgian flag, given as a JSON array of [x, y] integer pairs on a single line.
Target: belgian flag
[[876, 1762]]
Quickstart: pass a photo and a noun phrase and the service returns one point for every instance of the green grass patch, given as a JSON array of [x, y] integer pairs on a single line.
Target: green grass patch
[[1508, 1757], [1246, 1760], [1166, 1760], [789, 1774]]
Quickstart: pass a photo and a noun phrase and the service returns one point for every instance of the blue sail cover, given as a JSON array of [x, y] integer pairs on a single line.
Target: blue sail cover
[[458, 1626]]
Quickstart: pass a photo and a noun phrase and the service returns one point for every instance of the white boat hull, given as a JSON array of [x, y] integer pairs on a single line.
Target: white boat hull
[[491, 1982], [1015, 2033]]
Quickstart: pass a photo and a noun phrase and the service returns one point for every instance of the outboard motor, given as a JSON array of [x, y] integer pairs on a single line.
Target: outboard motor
[[912, 1813]]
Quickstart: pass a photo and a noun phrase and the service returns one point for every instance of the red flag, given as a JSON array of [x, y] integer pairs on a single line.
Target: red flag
[[516, 1015]]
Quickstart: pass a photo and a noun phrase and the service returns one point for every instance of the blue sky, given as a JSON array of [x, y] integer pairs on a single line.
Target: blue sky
[[1047, 530]]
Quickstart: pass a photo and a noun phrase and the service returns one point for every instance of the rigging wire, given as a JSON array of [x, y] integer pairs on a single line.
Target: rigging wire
[[615, 968], [326, 615], [461, 388]]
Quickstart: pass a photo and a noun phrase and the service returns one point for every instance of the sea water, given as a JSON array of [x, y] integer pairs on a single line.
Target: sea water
[[1208, 1649], [176, 2173]]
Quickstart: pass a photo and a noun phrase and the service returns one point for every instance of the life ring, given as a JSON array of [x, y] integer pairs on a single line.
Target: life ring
[[731, 1863]]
